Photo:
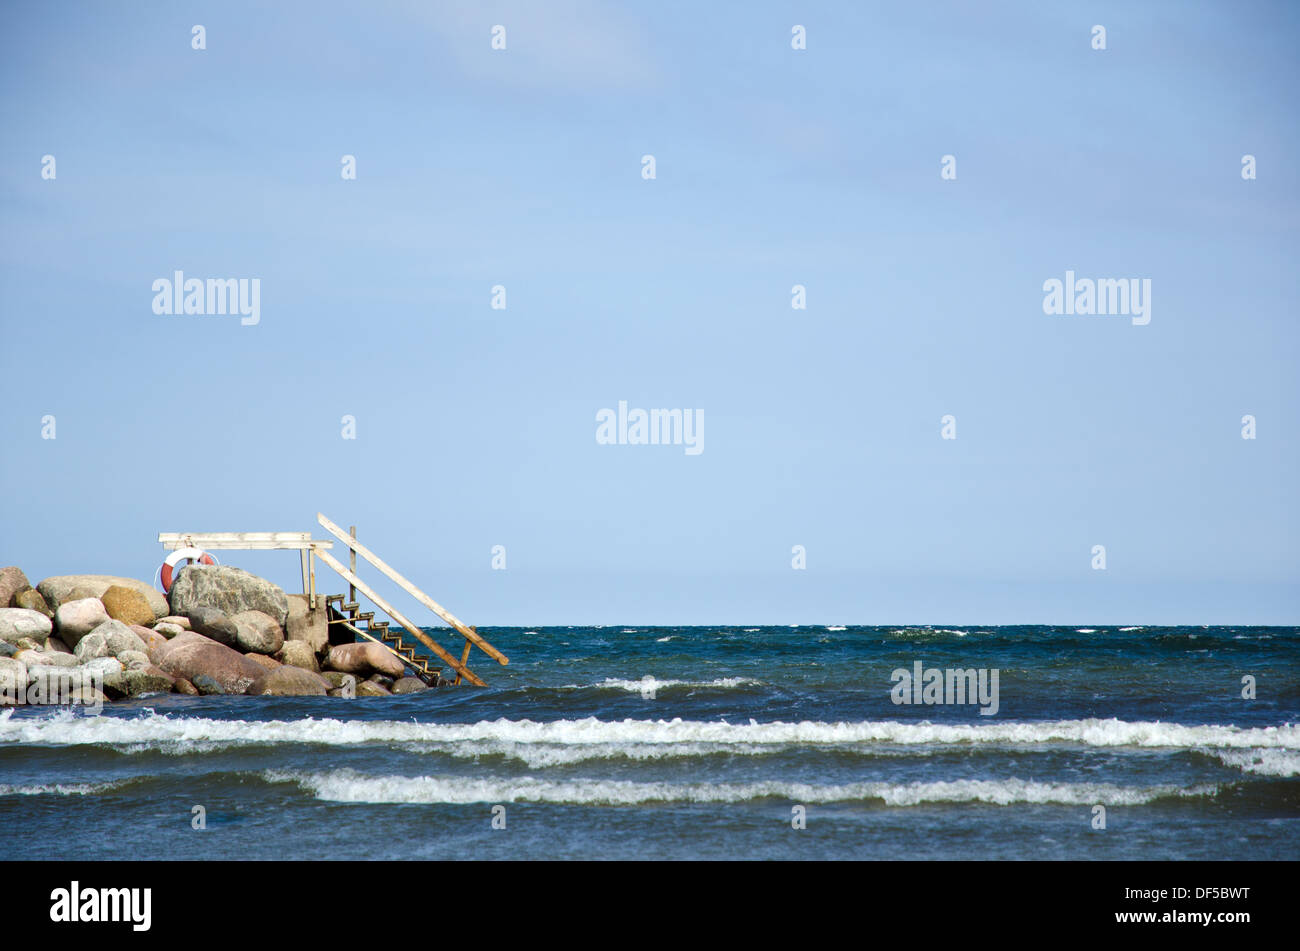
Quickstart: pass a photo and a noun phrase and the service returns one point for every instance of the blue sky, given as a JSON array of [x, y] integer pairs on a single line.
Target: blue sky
[[476, 427]]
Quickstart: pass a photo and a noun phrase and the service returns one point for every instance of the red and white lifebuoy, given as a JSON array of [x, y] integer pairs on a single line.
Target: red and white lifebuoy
[[186, 554]]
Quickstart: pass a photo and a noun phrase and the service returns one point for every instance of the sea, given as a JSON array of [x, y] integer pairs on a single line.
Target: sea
[[746, 742]]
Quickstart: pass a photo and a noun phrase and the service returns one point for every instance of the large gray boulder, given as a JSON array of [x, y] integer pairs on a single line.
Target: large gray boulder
[[298, 654], [75, 619], [304, 624], [31, 599], [213, 623], [257, 633], [230, 590], [61, 588], [12, 580], [205, 663], [110, 639], [19, 623]]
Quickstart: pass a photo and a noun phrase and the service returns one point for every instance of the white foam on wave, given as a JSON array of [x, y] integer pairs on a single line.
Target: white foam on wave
[[649, 686], [349, 786], [1085, 630], [57, 789], [1265, 762], [1138, 628], [836, 627], [181, 734]]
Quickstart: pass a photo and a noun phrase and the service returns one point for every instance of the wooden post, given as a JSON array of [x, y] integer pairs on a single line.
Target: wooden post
[[306, 586], [352, 563], [428, 602], [401, 619], [464, 655]]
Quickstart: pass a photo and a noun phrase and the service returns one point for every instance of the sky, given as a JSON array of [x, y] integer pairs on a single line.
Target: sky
[[523, 168]]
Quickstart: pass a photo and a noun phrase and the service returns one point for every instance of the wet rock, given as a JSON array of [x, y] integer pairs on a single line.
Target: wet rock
[[287, 681], [298, 654], [12, 580], [368, 689], [409, 685], [31, 599], [257, 632], [17, 624], [385, 682], [337, 679], [364, 660], [137, 683], [207, 686], [61, 588], [231, 590], [183, 686], [213, 623], [127, 605], [73, 620], [201, 660]]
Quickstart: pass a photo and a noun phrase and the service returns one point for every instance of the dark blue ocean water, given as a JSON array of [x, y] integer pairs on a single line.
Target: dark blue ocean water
[[700, 742]]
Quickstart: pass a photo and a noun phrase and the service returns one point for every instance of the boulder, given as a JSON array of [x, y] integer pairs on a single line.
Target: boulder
[[364, 660], [286, 681], [13, 677], [168, 631], [31, 599], [228, 589], [61, 588], [135, 660], [8, 650], [127, 605], [110, 639], [183, 686], [17, 624], [383, 681], [46, 659], [257, 632], [263, 661], [137, 683], [12, 580], [298, 654], [197, 658], [207, 685], [152, 639], [368, 689], [337, 679], [213, 623], [409, 685], [182, 622], [54, 644], [75, 619], [307, 625]]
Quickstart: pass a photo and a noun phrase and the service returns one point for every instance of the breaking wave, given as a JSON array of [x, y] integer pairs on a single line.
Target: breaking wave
[[349, 786]]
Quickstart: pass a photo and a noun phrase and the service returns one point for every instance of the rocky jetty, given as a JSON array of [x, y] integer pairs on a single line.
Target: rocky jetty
[[221, 630]]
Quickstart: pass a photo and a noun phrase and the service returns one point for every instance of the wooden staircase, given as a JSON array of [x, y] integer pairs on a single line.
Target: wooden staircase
[[379, 632]]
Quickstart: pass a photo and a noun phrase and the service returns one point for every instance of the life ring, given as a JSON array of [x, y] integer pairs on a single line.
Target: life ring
[[189, 554]]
